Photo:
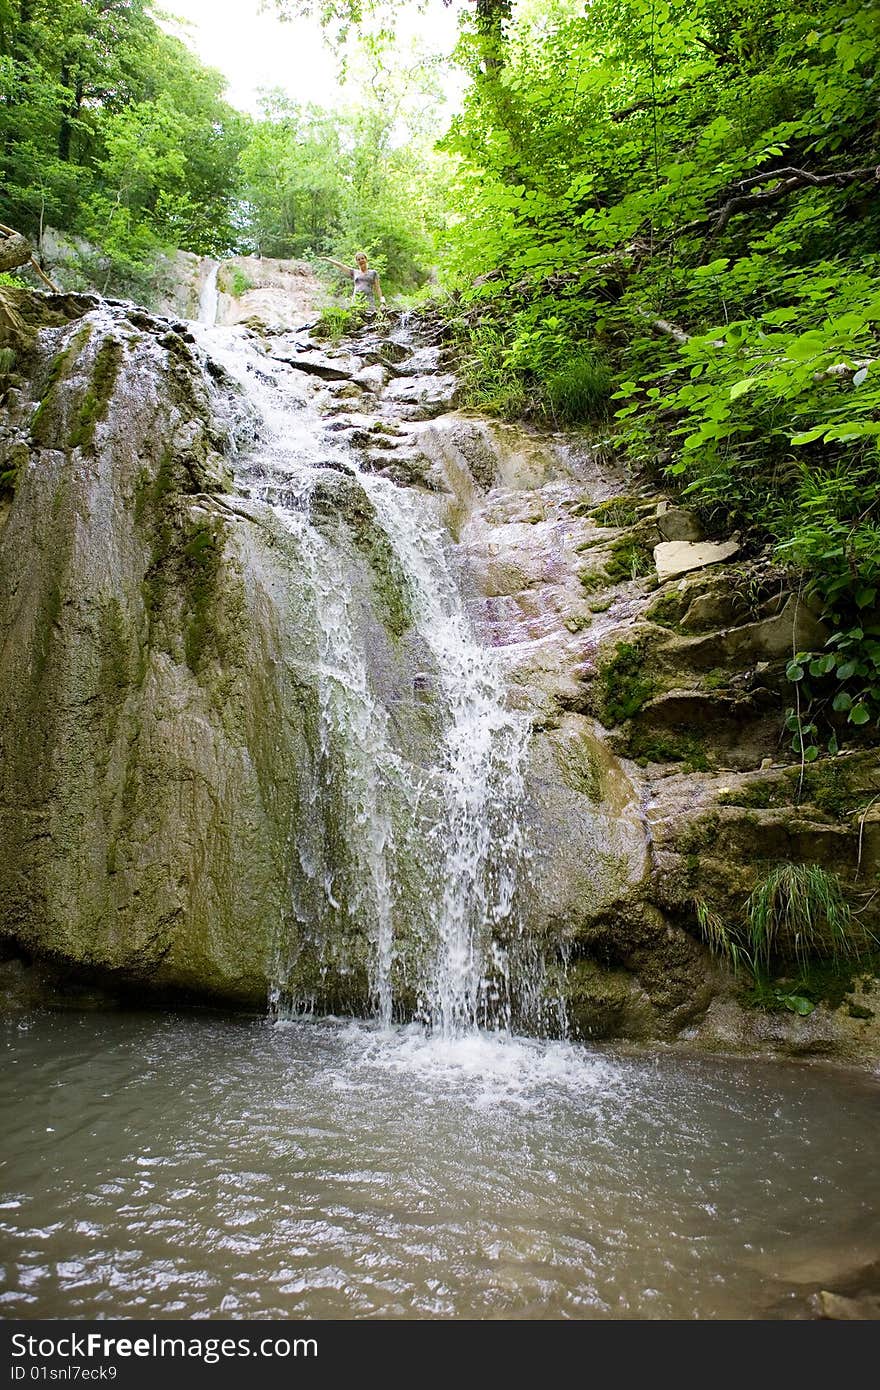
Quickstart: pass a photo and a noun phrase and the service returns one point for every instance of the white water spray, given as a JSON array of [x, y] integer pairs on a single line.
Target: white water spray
[[468, 843]]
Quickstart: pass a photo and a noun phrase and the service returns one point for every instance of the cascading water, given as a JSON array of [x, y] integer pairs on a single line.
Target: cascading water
[[209, 296], [455, 816], [479, 841]]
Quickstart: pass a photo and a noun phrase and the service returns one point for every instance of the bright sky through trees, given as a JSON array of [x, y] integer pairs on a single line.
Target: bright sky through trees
[[255, 50]]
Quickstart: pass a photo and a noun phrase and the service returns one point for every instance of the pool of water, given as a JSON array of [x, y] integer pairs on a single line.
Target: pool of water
[[198, 1166]]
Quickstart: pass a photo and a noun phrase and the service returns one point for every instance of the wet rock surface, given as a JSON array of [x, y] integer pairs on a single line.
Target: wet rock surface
[[155, 719]]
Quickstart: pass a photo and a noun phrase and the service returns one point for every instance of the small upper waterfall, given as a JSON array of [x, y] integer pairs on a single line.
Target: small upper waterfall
[[209, 297], [423, 854]]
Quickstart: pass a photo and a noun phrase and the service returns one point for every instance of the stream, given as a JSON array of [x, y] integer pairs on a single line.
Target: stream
[[195, 1166]]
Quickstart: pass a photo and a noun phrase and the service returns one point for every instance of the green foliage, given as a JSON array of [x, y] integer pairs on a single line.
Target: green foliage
[[111, 129], [579, 391], [686, 193], [360, 179], [338, 320], [232, 280], [721, 940], [797, 916]]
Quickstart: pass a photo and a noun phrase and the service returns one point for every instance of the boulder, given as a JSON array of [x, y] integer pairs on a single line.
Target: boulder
[[678, 557]]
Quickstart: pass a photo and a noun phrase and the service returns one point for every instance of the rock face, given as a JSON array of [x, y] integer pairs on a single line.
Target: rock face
[[271, 293], [160, 721]]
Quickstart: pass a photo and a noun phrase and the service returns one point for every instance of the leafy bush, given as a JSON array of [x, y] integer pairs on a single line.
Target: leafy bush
[[234, 281]]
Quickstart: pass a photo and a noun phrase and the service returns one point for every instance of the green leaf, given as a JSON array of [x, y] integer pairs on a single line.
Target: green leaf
[[846, 669], [823, 664], [859, 714], [794, 672], [805, 347], [807, 436], [811, 753], [842, 701], [864, 597], [797, 1004], [739, 388]]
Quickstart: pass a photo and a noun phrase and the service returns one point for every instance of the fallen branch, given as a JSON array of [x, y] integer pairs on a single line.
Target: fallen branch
[[844, 369], [16, 250], [789, 180], [672, 330]]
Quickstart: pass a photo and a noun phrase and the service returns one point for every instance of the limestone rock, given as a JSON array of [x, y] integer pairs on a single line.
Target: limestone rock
[[678, 524], [677, 557], [834, 1305]]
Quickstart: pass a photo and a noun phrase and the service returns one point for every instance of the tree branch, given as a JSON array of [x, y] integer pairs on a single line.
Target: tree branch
[[789, 180]]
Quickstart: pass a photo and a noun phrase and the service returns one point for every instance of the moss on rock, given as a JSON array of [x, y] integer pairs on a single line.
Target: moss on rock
[[623, 684]]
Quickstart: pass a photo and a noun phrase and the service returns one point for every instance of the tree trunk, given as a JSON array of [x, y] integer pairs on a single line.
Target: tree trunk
[[15, 250]]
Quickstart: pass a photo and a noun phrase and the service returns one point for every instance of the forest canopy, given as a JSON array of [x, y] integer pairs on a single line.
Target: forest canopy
[[112, 131]]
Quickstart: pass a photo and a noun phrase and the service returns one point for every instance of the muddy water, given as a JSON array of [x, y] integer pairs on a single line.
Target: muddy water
[[199, 1166]]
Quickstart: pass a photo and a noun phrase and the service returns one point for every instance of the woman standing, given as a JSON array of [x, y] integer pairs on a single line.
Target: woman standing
[[366, 282]]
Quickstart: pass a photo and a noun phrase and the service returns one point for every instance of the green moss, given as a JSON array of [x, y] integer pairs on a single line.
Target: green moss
[[646, 746], [600, 605], [628, 559], [95, 403], [579, 765], [577, 622], [16, 461], [617, 511], [667, 611], [591, 580], [700, 836], [829, 784], [596, 999], [42, 424], [114, 650], [390, 583], [756, 795], [859, 1011], [716, 679], [825, 982], [623, 684], [45, 624], [203, 554], [182, 581]]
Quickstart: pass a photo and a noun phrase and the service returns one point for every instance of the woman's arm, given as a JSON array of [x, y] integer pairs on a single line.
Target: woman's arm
[[339, 265], [377, 291]]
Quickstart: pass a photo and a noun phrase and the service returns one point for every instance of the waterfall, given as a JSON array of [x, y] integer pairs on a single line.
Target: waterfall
[[426, 854], [478, 841], [209, 297]]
